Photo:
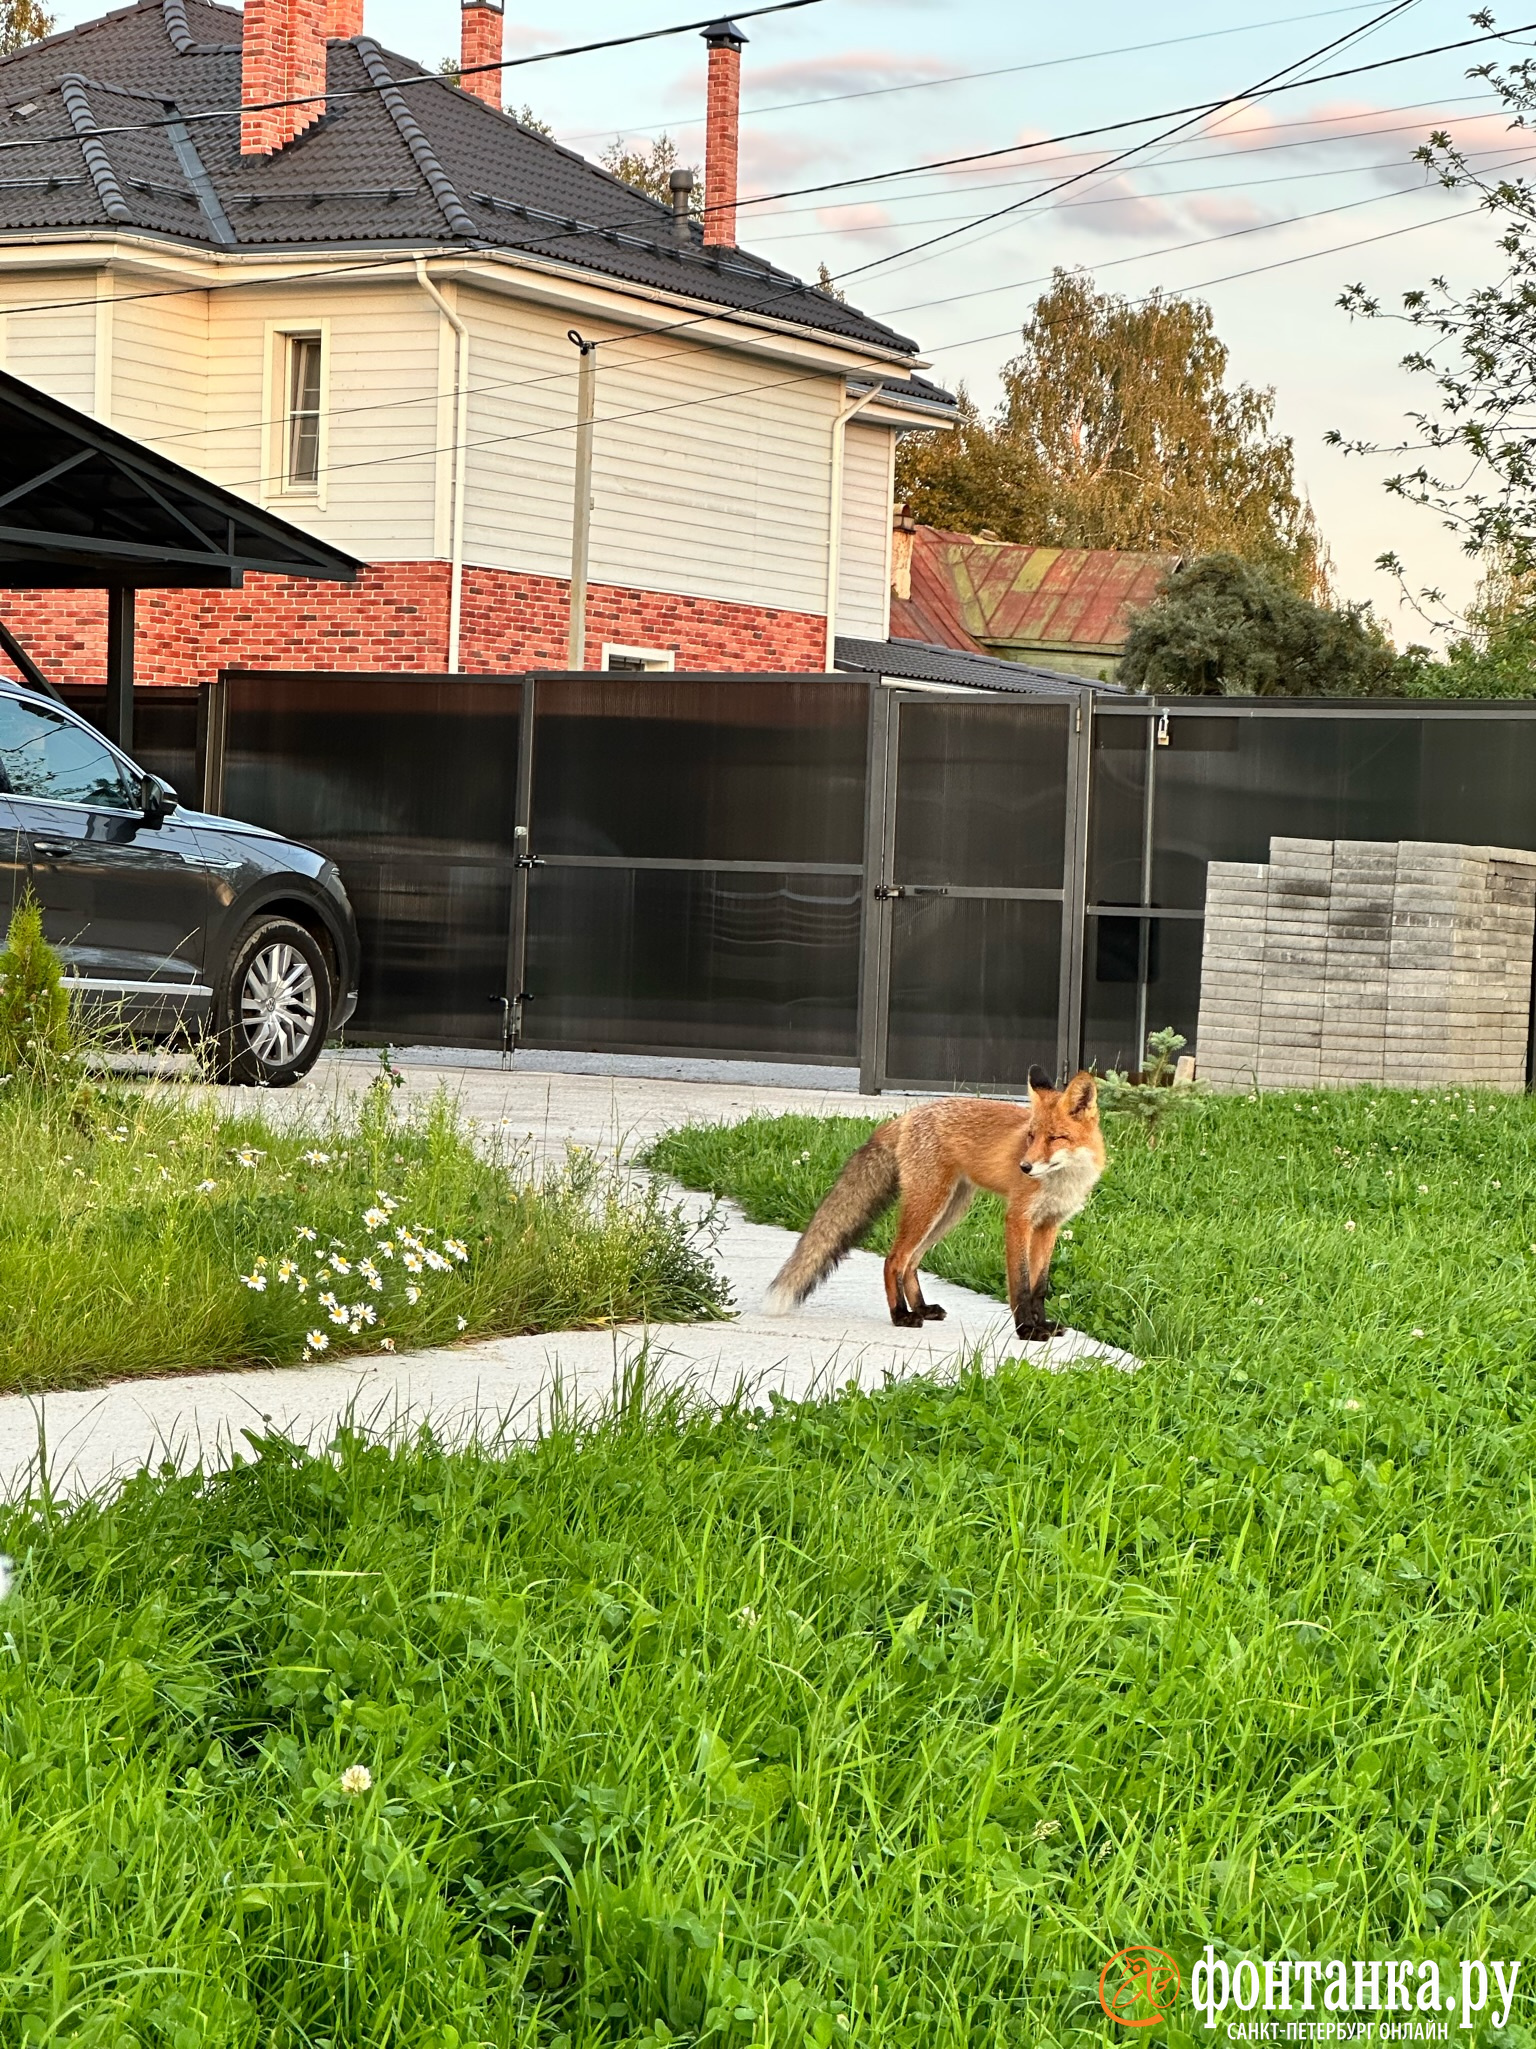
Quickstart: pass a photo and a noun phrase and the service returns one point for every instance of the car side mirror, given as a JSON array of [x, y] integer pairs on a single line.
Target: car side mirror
[[160, 800]]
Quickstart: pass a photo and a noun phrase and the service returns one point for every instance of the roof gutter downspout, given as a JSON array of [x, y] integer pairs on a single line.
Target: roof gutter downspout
[[460, 461], [835, 536]]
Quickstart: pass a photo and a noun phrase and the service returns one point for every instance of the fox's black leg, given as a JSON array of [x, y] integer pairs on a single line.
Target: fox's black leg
[[1042, 1246]]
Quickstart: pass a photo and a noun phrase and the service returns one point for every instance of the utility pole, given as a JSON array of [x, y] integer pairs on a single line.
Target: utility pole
[[581, 519]]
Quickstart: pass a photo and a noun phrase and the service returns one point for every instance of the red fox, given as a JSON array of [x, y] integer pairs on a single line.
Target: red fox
[[1043, 1157]]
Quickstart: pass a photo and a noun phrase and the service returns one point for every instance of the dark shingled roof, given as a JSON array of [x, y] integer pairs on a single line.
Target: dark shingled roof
[[914, 661], [413, 166]]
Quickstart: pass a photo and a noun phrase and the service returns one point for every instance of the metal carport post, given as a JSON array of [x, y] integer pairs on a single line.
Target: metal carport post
[[83, 507]]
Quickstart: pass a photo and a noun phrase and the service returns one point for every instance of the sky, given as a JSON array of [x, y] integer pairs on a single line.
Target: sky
[[1267, 210]]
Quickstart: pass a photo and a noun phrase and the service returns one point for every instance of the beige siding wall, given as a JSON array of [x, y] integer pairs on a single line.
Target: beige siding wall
[[712, 471], [864, 583], [55, 350], [159, 371], [378, 492]]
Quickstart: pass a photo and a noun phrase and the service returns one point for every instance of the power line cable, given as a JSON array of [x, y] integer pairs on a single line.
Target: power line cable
[[872, 92], [1136, 148], [363, 92]]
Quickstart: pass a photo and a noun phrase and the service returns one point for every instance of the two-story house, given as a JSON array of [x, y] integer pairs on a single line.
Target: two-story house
[[360, 294]]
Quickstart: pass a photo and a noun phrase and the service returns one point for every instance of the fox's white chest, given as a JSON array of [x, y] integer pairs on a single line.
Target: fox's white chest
[[1065, 1185]]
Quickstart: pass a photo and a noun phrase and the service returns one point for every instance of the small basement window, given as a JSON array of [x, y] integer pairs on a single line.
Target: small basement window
[[639, 661], [305, 368]]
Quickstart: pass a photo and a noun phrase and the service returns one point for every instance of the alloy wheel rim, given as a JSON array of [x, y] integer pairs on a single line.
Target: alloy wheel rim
[[279, 1004]]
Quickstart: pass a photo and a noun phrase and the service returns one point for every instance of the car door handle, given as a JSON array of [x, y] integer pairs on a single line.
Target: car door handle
[[54, 849]]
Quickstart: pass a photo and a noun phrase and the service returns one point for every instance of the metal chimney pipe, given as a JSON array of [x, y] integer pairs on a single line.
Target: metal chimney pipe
[[682, 205]]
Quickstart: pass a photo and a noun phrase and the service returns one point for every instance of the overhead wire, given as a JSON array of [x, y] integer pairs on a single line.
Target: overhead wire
[[371, 91], [872, 92], [1135, 149]]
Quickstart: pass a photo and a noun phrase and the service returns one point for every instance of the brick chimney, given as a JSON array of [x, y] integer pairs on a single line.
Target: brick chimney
[[723, 143], [284, 59], [481, 27], [345, 20]]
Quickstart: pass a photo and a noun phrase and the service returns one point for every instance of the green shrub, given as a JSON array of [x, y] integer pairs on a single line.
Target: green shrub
[[37, 1034]]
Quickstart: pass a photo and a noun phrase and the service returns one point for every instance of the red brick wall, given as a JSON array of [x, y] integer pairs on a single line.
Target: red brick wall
[[396, 618], [344, 19]]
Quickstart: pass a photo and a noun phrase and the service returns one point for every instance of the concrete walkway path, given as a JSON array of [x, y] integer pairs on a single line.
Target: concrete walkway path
[[507, 1387]]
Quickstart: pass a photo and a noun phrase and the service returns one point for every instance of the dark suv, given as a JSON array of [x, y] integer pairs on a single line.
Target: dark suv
[[169, 921]]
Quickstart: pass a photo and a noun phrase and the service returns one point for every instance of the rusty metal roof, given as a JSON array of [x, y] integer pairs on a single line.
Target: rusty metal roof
[[979, 595]]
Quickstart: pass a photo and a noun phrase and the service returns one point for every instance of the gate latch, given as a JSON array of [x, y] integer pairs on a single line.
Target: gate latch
[[884, 891], [530, 860]]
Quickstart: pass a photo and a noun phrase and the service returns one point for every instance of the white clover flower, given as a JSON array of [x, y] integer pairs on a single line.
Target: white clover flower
[[456, 1248], [306, 1233], [317, 1341], [463, 1323], [1423, 1188], [1417, 1332], [257, 1283], [413, 1294], [749, 1616], [356, 1779], [1350, 1225]]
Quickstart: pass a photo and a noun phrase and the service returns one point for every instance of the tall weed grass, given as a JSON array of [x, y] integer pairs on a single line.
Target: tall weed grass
[[149, 1231]]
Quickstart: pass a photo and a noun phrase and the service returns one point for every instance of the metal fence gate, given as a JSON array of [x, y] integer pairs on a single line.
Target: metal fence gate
[[977, 836]]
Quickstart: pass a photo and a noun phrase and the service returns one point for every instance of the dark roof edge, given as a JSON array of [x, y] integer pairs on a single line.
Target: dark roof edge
[[920, 661]]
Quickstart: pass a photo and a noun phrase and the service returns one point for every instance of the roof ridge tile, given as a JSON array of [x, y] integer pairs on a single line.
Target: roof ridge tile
[[72, 90], [414, 136]]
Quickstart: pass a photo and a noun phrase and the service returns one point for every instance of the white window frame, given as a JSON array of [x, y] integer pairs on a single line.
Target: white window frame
[[276, 410], [659, 661]]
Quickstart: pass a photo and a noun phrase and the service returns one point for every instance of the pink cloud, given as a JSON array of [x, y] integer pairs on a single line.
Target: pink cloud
[[855, 220], [1223, 213], [1118, 209]]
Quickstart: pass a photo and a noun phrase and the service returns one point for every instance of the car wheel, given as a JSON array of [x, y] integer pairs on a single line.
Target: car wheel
[[273, 1007]]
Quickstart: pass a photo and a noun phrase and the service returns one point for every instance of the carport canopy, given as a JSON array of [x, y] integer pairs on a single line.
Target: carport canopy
[[83, 507]]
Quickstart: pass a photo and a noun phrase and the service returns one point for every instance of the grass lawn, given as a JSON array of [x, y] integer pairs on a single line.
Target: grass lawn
[[148, 1231], [880, 1722]]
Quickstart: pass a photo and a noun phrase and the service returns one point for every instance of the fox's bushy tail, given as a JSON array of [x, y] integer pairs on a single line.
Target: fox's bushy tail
[[867, 1185]]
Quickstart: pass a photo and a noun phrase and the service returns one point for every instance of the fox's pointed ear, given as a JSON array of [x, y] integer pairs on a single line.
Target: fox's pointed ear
[[1081, 1096], [1039, 1079]]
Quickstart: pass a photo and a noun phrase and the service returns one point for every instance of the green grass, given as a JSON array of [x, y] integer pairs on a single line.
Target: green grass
[[883, 1721], [146, 1231]]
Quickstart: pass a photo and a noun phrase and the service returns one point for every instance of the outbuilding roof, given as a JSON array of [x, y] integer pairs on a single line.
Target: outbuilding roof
[[974, 593], [103, 126]]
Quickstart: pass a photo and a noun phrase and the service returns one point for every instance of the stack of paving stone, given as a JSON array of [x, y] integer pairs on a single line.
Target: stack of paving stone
[[1346, 961]]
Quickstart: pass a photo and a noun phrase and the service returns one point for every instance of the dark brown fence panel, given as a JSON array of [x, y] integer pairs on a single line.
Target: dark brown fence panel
[[409, 783]]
